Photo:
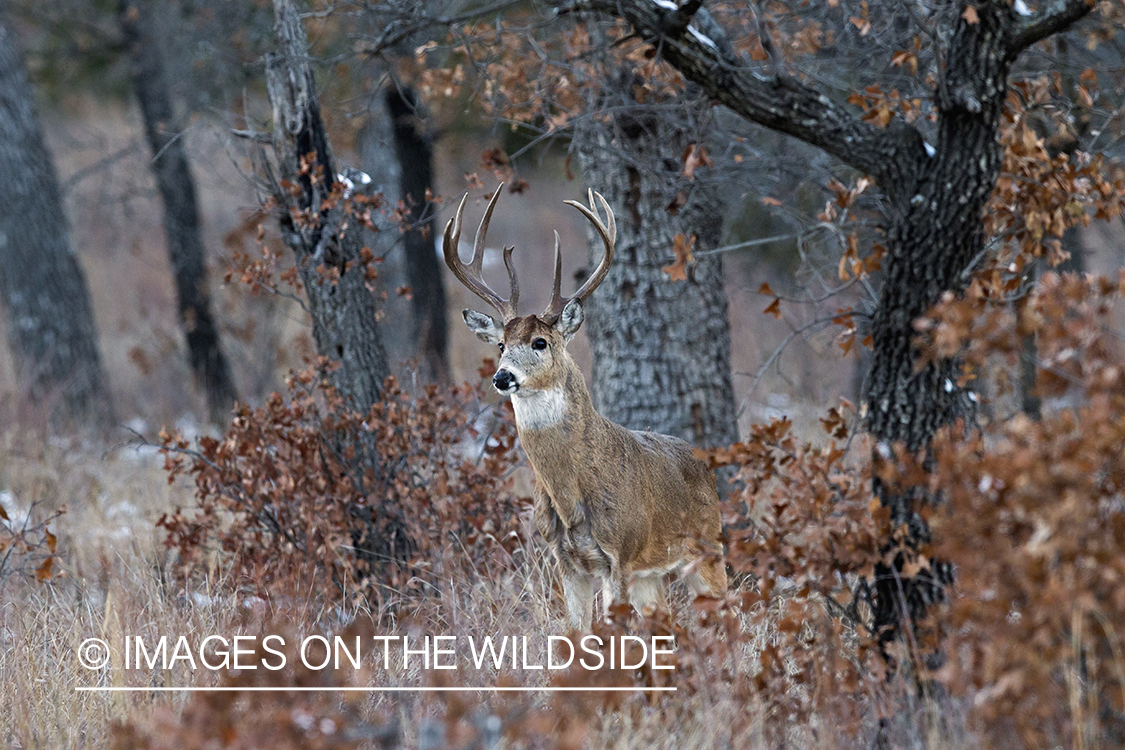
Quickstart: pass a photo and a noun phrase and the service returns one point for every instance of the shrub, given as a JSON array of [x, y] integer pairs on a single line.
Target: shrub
[[27, 546], [1034, 518], [304, 491], [1030, 512]]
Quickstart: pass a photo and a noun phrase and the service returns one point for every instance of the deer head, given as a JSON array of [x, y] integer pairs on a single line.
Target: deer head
[[533, 348]]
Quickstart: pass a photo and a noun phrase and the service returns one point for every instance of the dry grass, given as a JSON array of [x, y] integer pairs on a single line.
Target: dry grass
[[110, 582], [115, 583]]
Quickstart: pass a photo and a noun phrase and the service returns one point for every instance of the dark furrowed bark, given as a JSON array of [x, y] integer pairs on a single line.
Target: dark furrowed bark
[[661, 347], [343, 309], [50, 322], [429, 309], [327, 245], [182, 228], [934, 234]]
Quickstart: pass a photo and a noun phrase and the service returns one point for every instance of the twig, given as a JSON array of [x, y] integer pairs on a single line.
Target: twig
[[103, 163], [777, 353]]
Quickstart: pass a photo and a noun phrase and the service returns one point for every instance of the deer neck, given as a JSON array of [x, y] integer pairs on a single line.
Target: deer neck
[[562, 407], [554, 426]]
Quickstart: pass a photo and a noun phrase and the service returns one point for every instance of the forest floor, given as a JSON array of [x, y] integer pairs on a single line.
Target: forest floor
[[113, 579]]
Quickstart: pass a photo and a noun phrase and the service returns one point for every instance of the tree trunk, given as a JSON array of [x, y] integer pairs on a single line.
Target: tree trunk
[[933, 220], [661, 348], [375, 147], [935, 231], [327, 243], [181, 214], [327, 246], [429, 321], [51, 332]]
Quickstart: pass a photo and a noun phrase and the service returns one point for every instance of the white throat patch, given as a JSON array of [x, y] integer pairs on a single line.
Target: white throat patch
[[538, 409]]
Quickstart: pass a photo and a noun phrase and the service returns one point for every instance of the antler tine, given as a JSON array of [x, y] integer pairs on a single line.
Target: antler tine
[[608, 234], [513, 284], [471, 275], [558, 272]]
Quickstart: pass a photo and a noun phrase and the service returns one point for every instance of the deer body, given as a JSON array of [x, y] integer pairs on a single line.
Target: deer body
[[617, 506]]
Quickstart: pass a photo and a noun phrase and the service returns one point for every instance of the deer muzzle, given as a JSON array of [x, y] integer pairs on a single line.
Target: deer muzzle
[[505, 382]]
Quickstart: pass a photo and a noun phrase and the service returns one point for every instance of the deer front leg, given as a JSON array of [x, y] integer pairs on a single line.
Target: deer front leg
[[566, 501], [646, 593], [607, 598], [562, 507], [614, 589], [547, 521], [578, 589]]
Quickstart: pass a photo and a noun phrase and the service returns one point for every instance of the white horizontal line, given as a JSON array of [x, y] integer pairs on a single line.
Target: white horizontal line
[[492, 689]]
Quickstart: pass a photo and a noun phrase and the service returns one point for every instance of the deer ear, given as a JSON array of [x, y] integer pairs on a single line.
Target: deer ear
[[486, 329], [570, 320]]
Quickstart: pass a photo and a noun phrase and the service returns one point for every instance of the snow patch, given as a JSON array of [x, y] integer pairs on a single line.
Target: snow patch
[[18, 517], [349, 177], [123, 509], [702, 38], [200, 599], [137, 425]]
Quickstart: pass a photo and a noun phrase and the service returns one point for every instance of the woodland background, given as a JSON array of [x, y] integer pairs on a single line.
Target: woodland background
[[869, 262]]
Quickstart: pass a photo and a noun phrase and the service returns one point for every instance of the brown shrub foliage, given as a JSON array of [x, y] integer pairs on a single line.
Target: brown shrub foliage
[[1035, 521], [304, 491], [807, 530], [27, 546], [1030, 513]]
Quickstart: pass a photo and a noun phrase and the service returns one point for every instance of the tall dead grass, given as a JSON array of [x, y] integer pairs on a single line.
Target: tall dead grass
[[112, 580], [115, 580]]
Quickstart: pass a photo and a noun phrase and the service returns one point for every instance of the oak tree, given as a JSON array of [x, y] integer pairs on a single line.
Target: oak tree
[[50, 321], [182, 223], [935, 186]]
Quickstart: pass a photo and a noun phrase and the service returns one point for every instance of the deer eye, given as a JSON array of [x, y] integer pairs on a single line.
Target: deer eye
[[539, 344], [501, 347]]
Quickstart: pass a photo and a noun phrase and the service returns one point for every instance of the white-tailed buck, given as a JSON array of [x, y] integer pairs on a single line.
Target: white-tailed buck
[[615, 505]]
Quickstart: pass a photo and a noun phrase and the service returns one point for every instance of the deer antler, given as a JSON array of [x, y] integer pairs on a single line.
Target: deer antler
[[470, 275], [609, 237]]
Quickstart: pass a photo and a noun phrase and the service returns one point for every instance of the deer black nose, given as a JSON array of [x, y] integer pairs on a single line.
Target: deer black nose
[[503, 380]]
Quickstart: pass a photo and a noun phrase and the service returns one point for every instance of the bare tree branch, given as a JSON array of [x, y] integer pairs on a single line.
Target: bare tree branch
[[398, 30], [1056, 16], [778, 102]]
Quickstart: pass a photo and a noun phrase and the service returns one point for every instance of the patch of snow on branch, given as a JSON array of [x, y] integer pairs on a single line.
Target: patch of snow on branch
[[702, 38]]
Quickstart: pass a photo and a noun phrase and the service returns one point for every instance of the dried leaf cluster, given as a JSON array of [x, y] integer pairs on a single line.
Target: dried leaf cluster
[[305, 490], [1034, 518]]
